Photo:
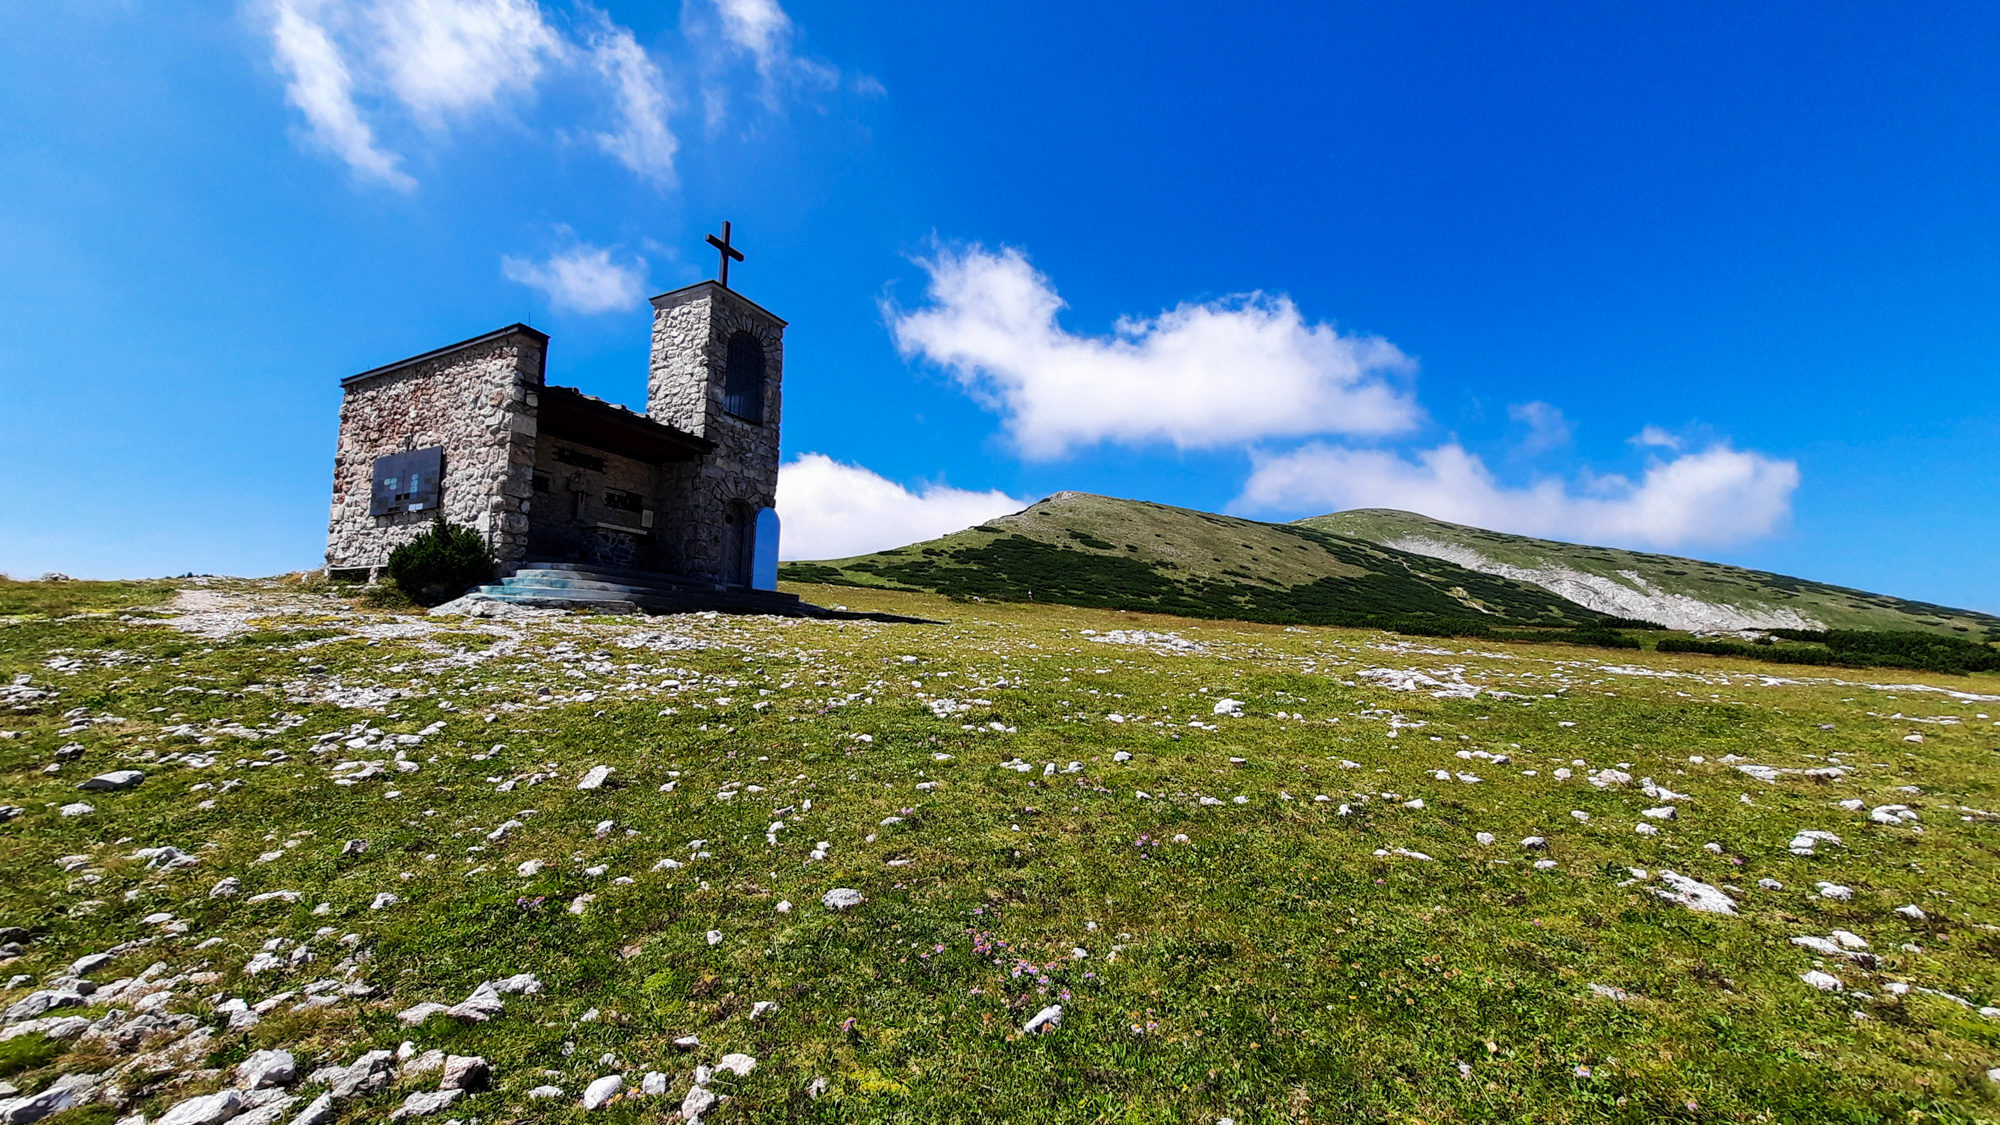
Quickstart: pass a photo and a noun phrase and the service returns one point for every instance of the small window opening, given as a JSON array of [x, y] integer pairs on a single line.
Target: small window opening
[[743, 378]]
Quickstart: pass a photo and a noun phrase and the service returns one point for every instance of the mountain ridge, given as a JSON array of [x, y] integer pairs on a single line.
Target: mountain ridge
[[1082, 549], [1361, 567]]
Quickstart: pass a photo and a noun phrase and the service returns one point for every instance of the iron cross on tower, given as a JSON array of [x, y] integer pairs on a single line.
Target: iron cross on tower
[[727, 252]]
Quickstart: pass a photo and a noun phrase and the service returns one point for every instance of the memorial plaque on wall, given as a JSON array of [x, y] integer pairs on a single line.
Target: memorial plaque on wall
[[406, 482]]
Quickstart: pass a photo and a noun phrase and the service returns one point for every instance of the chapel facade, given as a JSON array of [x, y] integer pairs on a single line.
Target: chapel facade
[[551, 476]]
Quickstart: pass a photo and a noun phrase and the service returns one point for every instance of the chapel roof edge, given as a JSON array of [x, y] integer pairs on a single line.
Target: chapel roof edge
[[515, 329]]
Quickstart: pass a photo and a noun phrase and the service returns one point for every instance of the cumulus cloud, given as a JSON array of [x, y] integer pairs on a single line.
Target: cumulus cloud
[[1718, 495], [1547, 428], [832, 510], [581, 279], [1199, 375]]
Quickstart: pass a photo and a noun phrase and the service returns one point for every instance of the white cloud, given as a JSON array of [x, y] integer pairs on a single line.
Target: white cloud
[[1655, 436], [761, 29], [358, 68], [1198, 375], [1547, 428], [642, 142], [450, 57], [1719, 495], [320, 85], [582, 279], [832, 510]]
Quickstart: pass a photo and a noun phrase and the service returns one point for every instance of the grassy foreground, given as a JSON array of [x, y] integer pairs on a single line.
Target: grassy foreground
[[1226, 945]]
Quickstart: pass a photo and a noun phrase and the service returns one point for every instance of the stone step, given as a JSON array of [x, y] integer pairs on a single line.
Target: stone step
[[585, 592], [654, 601], [543, 580], [598, 573]]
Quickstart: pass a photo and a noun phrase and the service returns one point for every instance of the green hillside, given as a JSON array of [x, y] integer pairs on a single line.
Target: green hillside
[[1671, 591], [1078, 549]]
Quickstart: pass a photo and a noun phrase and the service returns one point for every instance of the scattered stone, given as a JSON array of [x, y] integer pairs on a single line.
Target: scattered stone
[[595, 778], [373, 1071], [602, 1090], [1770, 884], [465, 1072], [1825, 982], [1694, 894], [1803, 843], [113, 781], [653, 1084], [1610, 992], [1044, 1021], [697, 1102], [425, 1103], [840, 898], [1535, 843], [1835, 891], [1912, 911], [226, 888], [1664, 812], [316, 1112], [208, 1109], [267, 1068], [540, 1093], [738, 1064], [34, 1107], [86, 965], [77, 808], [353, 848]]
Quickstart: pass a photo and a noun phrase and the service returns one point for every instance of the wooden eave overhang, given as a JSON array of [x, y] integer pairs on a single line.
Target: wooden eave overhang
[[570, 415]]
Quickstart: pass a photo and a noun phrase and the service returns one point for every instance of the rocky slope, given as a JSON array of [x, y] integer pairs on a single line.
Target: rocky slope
[[1678, 593]]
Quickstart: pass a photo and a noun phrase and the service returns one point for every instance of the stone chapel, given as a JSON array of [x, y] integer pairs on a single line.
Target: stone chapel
[[561, 483]]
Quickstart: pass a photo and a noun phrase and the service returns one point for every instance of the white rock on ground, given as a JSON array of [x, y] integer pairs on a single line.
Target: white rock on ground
[[425, 1103], [115, 780], [1694, 894], [1046, 1020], [697, 1102], [653, 1084], [738, 1064], [267, 1068], [1825, 982], [465, 1072], [840, 898], [205, 1110], [317, 1112], [22, 1111], [595, 778], [602, 1090]]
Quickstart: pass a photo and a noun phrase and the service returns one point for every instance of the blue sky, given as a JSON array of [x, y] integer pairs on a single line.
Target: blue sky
[[1713, 279]]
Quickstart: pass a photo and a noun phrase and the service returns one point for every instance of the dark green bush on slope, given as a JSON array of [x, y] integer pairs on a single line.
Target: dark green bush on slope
[[1924, 652], [442, 563]]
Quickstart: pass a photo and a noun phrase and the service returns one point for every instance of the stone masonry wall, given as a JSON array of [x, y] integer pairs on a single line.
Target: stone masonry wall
[[706, 504], [479, 403]]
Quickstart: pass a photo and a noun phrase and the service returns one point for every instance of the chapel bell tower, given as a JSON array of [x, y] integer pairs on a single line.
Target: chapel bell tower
[[717, 372]]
